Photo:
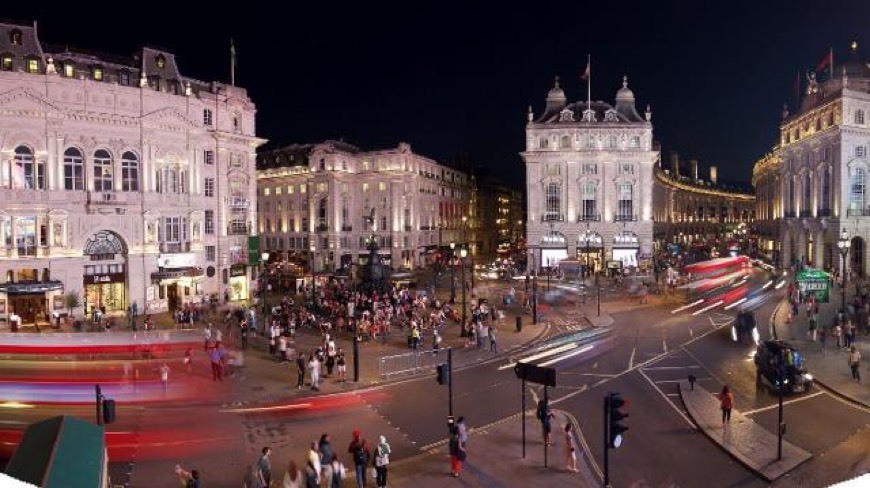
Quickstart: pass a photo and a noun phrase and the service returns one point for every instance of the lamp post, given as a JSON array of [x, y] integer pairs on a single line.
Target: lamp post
[[452, 272], [262, 288], [843, 244], [462, 253], [313, 282]]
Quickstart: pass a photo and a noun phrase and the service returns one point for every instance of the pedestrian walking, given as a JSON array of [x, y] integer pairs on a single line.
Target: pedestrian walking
[[313, 458], [823, 337], [327, 455], [206, 333], [292, 477], [838, 334], [342, 366], [164, 377], [381, 461], [570, 449], [264, 466], [726, 403], [314, 371], [855, 363], [462, 430], [339, 472], [189, 479], [812, 328], [360, 452], [254, 477], [457, 454], [214, 356], [301, 365], [492, 345]]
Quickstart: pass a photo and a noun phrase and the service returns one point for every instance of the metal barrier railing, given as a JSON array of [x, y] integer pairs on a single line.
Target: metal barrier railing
[[411, 362]]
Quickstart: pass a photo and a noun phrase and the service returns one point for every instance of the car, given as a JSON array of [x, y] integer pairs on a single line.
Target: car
[[778, 363], [745, 327]]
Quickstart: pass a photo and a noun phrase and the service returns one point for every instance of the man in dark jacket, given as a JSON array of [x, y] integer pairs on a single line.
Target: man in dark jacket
[[361, 453], [301, 364]]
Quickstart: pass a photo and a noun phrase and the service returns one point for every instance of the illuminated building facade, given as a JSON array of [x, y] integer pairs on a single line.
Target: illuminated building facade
[[817, 176], [124, 182], [589, 182], [312, 199], [691, 210], [499, 211]]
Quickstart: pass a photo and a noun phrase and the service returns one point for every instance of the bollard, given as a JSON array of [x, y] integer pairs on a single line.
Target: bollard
[[519, 324]]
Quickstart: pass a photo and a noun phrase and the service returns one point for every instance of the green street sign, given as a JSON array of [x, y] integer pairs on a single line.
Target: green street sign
[[816, 282], [253, 250]]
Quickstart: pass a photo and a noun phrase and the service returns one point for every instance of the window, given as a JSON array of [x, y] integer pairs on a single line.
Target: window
[[210, 253], [590, 169], [321, 212], [7, 62], [543, 143], [206, 117], [209, 222], [208, 156], [565, 142], [15, 37], [160, 60], [129, 172], [860, 151], [305, 227], [588, 192], [825, 204], [32, 65], [69, 70], [857, 191], [321, 187], [290, 189], [345, 213], [625, 208], [209, 187], [590, 142], [167, 180], [172, 230], [808, 191], [553, 202], [626, 169], [303, 188], [27, 173], [97, 73], [25, 235], [124, 78], [635, 141], [382, 186], [859, 117], [611, 142], [267, 191], [73, 170], [102, 171], [365, 187], [236, 124]]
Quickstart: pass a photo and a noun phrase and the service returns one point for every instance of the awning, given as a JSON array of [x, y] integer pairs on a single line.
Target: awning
[[169, 274], [29, 288]]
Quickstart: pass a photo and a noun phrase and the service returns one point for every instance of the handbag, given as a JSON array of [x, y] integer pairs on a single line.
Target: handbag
[[374, 473]]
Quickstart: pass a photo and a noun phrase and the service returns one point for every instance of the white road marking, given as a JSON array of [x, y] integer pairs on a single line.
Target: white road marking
[[787, 402], [657, 368], [567, 356], [667, 400], [551, 352], [680, 381], [631, 359]]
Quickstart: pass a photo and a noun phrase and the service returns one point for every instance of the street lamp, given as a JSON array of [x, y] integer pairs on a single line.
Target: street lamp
[[313, 282], [462, 253], [452, 272], [262, 288], [843, 244]]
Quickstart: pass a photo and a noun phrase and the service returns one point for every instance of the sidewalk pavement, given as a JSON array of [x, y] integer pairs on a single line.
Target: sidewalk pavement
[[495, 460], [751, 444], [827, 365]]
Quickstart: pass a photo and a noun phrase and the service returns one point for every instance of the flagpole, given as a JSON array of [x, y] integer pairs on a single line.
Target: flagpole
[[589, 83], [831, 64], [232, 63]]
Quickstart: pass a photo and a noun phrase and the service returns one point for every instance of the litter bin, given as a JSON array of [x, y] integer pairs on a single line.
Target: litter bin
[[519, 323]]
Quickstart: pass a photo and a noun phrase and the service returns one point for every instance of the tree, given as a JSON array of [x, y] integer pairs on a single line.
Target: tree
[[72, 301]]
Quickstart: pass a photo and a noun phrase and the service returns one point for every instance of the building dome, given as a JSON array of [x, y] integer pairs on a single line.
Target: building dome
[[556, 95], [625, 94]]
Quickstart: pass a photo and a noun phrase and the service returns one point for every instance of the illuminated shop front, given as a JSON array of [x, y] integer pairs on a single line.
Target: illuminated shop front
[[590, 250], [105, 281], [626, 247], [238, 285], [554, 248]]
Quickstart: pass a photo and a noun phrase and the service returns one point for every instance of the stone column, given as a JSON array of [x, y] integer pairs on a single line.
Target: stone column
[[819, 250]]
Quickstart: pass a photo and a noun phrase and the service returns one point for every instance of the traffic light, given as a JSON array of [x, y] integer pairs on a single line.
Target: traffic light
[[442, 374], [108, 411], [614, 416]]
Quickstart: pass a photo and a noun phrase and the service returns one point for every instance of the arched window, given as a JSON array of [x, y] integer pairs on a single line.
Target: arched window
[[129, 172], [566, 142], [73, 170], [103, 173], [554, 202], [808, 192], [15, 37], [26, 173], [321, 213], [588, 193], [625, 202], [857, 191]]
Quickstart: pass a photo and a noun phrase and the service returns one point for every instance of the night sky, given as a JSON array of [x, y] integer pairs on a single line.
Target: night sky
[[452, 78]]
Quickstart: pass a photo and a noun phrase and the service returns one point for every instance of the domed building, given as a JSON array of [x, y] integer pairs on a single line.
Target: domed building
[[589, 170], [815, 179]]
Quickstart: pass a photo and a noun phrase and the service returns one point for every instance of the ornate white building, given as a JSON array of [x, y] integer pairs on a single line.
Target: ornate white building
[[813, 187], [121, 180], [589, 184], [316, 195]]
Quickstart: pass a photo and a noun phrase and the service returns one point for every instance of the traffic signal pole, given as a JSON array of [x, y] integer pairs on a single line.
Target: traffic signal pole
[[546, 413], [99, 394], [523, 391], [606, 441], [450, 382]]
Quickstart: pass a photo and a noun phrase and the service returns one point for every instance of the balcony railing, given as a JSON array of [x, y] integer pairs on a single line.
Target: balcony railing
[[238, 229], [823, 212], [173, 247], [552, 218], [625, 218], [108, 198], [321, 228], [858, 212], [590, 217], [806, 213]]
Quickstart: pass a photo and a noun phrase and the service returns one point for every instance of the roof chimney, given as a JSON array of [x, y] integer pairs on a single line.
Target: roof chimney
[[714, 174], [693, 169], [675, 163]]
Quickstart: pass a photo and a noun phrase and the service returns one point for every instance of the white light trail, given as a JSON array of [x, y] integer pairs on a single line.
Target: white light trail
[[738, 302], [709, 307], [551, 352], [684, 307], [566, 356]]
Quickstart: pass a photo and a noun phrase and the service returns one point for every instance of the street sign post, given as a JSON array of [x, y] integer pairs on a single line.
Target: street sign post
[[541, 376]]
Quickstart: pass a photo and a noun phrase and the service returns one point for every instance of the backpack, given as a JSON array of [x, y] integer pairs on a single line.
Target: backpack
[[359, 454]]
